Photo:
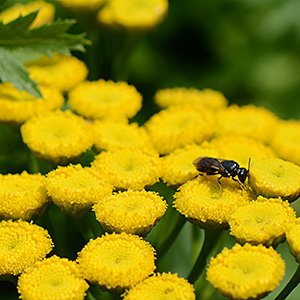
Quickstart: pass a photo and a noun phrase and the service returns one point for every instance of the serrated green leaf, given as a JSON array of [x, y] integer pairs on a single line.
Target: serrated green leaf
[[13, 71], [17, 26]]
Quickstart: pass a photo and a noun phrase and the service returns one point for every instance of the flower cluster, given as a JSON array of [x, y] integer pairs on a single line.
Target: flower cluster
[[124, 183]]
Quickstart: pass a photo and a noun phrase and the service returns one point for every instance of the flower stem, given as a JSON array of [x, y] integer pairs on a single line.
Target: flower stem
[[168, 242], [294, 281], [210, 239], [84, 227]]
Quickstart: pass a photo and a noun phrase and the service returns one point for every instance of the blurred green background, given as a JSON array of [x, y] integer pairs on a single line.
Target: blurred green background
[[248, 49]]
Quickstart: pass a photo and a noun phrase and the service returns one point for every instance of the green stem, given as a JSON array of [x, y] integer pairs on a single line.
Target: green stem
[[294, 281], [168, 242], [210, 238], [84, 228]]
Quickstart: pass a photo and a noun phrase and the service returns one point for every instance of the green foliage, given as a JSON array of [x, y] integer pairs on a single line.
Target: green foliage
[[16, 37]]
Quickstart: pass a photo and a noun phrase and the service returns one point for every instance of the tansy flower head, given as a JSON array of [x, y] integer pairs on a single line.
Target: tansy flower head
[[23, 196], [246, 272], [178, 96], [53, 278], [117, 260], [133, 212], [59, 136], [165, 286], [241, 148], [263, 221], [21, 245], [128, 168], [45, 14], [202, 201], [111, 136], [102, 99], [255, 122], [82, 5], [286, 140], [178, 126], [61, 71], [133, 14], [76, 189], [177, 167], [274, 177], [293, 239], [18, 106]]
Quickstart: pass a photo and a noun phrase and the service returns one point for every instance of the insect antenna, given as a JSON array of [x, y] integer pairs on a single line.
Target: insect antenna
[[249, 169]]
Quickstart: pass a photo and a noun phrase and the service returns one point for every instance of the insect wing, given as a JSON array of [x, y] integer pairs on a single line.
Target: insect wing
[[209, 165]]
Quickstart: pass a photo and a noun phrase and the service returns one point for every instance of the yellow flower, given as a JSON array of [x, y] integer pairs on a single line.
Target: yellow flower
[[246, 272], [248, 120], [128, 168], [286, 141], [61, 71], [76, 189], [241, 148], [293, 239], [17, 107], [53, 278], [133, 14], [111, 136], [274, 177], [133, 212], [264, 221], [117, 260], [23, 196], [101, 99], [82, 5], [45, 15], [178, 96], [59, 136], [165, 286], [177, 167], [202, 201], [21, 245], [177, 126]]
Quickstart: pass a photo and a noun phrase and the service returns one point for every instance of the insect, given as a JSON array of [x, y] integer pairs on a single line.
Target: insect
[[226, 168]]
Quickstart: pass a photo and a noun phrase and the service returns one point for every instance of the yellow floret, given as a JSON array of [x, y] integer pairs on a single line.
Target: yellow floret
[[117, 260], [241, 149], [274, 177], [111, 136], [21, 245], [286, 141], [202, 201], [103, 99], [133, 14], [23, 196], [165, 286], [177, 96], [248, 120], [177, 167], [19, 106], [246, 272], [46, 12], [177, 126], [61, 71], [264, 221], [76, 189], [59, 136], [54, 278], [128, 168], [293, 239], [133, 212]]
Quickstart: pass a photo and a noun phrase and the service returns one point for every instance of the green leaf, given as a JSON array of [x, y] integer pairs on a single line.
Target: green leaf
[[16, 37], [13, 71]]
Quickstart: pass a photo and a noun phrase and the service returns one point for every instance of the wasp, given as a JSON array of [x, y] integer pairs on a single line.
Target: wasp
[[226, 168]]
